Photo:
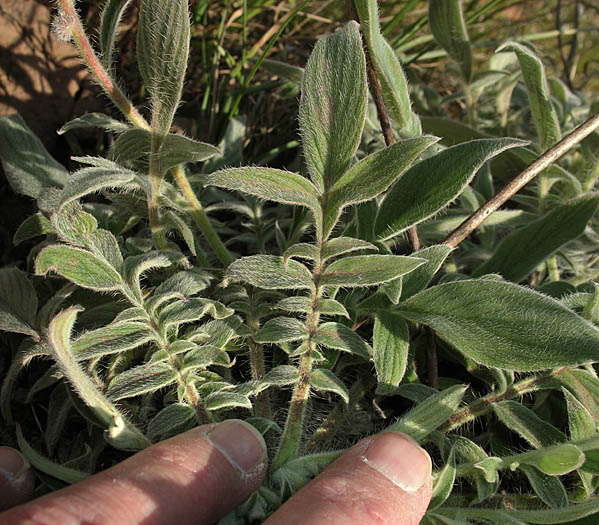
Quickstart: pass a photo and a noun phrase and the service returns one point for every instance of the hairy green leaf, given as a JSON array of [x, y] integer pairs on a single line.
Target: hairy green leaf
[[504, 325], [340, 245], [419, 279], [429, 186], [527, 424], [32, 227], [95, 120], [553, 461], [372, 176], [141, 379], [111, 18], [323, 379], [543, 114], [368, 270], [549, 488], [390, 344], [170, 421], [393, 83], [92, 180], [281, 329], [191, 310], [281, 375], [271, 184], [305, 305], [28, 166], [447, 24], [111, 339], [78, 266], [271, 273], [301, 250], [205, 356], [136, 265], [521, 251], [580, 422], [18, 303], [444, 481], [431, 413], [224, 399], [333, 105], [297, 472], [135, 144], [120, 432], [162, 50], [340, 337]]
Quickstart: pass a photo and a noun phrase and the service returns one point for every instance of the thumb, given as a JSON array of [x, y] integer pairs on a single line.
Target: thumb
[[383, 479], [16, 478]]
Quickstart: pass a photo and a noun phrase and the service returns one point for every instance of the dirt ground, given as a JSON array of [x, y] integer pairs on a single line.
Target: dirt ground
[[40, 77], [44, 80]]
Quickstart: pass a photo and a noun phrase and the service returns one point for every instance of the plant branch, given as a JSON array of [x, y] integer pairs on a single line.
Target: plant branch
[[500, 198], [292, 435], [338, 415], [482, 405], [126, 107], [95, 66], [381, 111]]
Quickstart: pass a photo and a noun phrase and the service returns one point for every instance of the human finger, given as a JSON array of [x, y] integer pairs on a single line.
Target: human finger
[[16, 478], [195, 477], [384, 479]]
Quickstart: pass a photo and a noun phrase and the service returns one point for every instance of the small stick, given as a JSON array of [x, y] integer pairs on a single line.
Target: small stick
[[543, 162]]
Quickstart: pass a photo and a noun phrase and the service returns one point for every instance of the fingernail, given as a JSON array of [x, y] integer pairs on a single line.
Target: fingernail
[[400, 459], [240, 443], [13, 464]]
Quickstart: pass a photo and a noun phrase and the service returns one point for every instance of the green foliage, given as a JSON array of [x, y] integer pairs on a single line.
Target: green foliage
[[181, 294]]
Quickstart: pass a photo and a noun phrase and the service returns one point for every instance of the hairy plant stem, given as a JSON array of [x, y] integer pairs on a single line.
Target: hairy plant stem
[[484, 404], [95, 66], [501, 197], [191, 394], [338, 415], [262, 406], [292, 435], [591, 180], [382, 114], [153, 201], [126, 107]]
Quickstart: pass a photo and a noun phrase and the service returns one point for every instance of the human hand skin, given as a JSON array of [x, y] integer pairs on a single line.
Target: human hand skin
[[201, 475]]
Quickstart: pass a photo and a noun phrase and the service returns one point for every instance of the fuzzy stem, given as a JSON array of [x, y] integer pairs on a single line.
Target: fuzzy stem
[[262, 405], [381, 110], [484, 404], [130, 112], [95, 66], [153, 200], [292, 435], [592, 178], [339, 414], [500, 198], [200, 218]]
